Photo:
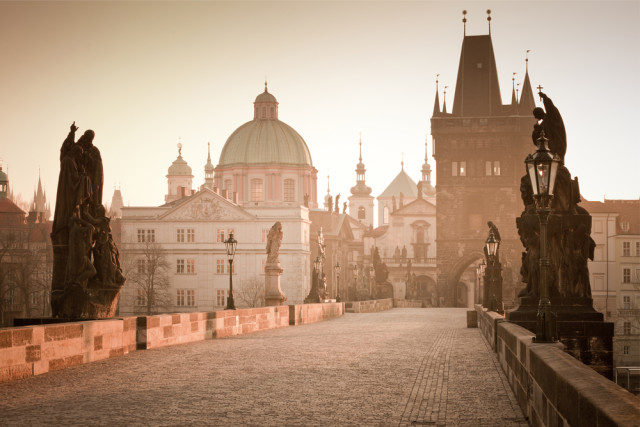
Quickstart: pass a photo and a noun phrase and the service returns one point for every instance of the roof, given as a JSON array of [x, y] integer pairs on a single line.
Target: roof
[[7, 206], [402, 183], [477, 87], [265, 142], [180, 167], [628, 211], [377, 232]]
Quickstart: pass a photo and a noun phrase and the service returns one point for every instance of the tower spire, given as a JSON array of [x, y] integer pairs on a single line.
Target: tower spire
[[489, 19], [514, 98], [527, 102], [444, 102], [436, 104], [464, 22], [360, 158]]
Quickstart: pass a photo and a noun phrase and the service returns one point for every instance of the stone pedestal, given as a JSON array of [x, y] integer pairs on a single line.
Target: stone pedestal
[[272, 293], [581, 328]]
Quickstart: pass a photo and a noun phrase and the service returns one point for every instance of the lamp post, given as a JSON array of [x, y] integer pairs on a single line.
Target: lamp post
[[542, 168], [371, 280], [230, 245], [337, 269], [481, 268], [355, 283], [491, 249]]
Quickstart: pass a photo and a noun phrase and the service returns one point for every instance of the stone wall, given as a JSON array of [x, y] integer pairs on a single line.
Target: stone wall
[[407, 303], [551, 386], [33, 350], [370, 306]]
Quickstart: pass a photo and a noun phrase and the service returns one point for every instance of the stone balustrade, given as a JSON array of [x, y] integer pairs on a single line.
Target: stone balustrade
[[34, 350], [370, 306], [552, 387]]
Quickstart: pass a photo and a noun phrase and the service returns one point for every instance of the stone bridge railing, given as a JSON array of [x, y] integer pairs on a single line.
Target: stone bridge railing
[[33, 350], [552, 387]]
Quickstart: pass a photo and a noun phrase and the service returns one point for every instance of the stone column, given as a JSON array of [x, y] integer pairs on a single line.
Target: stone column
[[273, 295]]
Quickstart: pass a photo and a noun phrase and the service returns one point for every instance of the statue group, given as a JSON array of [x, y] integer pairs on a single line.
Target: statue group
[[570, 245], [87, 276]]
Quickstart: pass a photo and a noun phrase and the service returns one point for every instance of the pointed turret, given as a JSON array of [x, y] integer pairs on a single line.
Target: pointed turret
[[425, 187], [208, 169], [444, 102], [360, 189], [436, 104], [527, 101]]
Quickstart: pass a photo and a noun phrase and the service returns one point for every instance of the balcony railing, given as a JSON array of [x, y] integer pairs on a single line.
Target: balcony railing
[[629, 312]]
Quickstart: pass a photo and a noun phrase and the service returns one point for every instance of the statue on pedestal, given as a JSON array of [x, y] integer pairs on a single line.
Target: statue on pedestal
[[87, 276], [273, 294]]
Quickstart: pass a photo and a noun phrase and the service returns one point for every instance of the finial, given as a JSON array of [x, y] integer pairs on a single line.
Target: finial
[[328, 190], [540, 91], [489, 19], [402, 161], [179, 146], [265, 84], [426, 138], [526, 60], [360, 147], [464, 21], [437, 75], [517, 92]]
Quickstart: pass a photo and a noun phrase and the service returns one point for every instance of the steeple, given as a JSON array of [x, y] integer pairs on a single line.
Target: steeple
[[436, 104], [527, 101], [360, 189], [208, 169], [425, 186], [444, 102], [477, 88], [514, 98]]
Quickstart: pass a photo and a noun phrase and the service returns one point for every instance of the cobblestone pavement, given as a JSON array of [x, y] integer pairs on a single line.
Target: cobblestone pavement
[[401, 367]]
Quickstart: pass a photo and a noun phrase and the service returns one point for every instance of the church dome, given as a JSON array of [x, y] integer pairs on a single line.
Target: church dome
[[265, 139], [179, 166]]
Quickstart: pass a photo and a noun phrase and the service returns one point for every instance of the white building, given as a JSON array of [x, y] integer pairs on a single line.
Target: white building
[[264, 175]]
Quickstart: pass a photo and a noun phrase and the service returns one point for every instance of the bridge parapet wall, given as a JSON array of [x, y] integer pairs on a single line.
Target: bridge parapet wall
[[33, 350], [407, 303], [371, 306], [552, 387]]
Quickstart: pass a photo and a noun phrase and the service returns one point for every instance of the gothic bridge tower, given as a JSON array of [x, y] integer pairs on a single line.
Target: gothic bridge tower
[[479, 148]]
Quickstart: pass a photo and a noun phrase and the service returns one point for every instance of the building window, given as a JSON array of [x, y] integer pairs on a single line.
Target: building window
[[191, 235], [220, 235], [141, 236], [180, 297], [142, 266], [362, 213], [626, 275], [221, 296], [454, 168], [11, 296], [487, 168], [289, 190], [626, 248], [626, 328], [626, 302], [191, 297], [146, 235], [230, 230], [141, 298], [625, 350], [220, 266], [256, 190], [637, 248], [227, 185], [35, 298], [624, 226], [496, 168], [385, 215], [191, 266], [463, 169], [180, 266], [180, 235]]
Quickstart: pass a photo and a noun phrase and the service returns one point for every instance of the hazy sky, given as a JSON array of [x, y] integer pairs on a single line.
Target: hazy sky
[[144, 74]]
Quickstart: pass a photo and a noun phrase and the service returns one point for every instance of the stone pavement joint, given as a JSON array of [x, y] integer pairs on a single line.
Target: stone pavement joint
[[402, 367]]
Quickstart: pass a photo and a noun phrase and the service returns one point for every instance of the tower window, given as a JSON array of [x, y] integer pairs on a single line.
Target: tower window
[[362, 213], [385, 215]]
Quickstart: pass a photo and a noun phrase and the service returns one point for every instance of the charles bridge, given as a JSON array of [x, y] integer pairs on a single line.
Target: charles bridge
[[384, 363]]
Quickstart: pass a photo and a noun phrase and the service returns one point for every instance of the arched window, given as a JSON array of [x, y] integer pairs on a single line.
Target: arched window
[[228, 185], [271, 113], [362, 213], [256, 190], [385, 215], [289, 190]]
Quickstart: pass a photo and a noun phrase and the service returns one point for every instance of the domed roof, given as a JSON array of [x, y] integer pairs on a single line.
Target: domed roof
[[179, 166], [265, 142], [3, 176], [265, 139]]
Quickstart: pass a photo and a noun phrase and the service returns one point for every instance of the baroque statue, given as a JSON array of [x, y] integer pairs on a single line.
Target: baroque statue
[[274, 239], [87, 276], [569, 233]]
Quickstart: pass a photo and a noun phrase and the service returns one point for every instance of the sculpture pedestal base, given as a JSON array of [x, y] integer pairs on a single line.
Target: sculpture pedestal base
[[273, 295], [581, 328]]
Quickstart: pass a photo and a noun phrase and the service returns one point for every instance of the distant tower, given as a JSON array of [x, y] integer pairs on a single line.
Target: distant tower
[[179, 178], [208, 169], [115, 211], [428, 191], [39, 208], [479, 150], [361, 200], [4, 184], [402, 191]]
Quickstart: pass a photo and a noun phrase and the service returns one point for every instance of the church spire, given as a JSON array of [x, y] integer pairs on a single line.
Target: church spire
[[360, 189], [514, 98], [436, 104], [208, 169], [527, 100], [444, 102]]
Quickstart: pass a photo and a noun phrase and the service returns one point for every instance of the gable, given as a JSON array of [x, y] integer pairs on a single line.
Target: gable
[[206, 205], [418, 207]]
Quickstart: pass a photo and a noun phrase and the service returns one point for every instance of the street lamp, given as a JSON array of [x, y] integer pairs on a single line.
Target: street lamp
[[481, 283], [337, 269], [355, 283], [230, 244], [542, 168], [492, 269]]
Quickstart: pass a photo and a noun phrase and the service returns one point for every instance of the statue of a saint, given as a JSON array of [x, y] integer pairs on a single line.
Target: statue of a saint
[[274, 239]]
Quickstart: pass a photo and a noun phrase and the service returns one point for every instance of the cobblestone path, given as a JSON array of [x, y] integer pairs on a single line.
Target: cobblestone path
[[401, 367]]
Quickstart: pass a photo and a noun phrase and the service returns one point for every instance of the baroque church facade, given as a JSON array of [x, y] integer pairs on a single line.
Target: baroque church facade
[[264, 175]]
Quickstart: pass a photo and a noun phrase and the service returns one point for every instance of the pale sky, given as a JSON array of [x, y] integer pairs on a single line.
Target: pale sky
[[143, 75]]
